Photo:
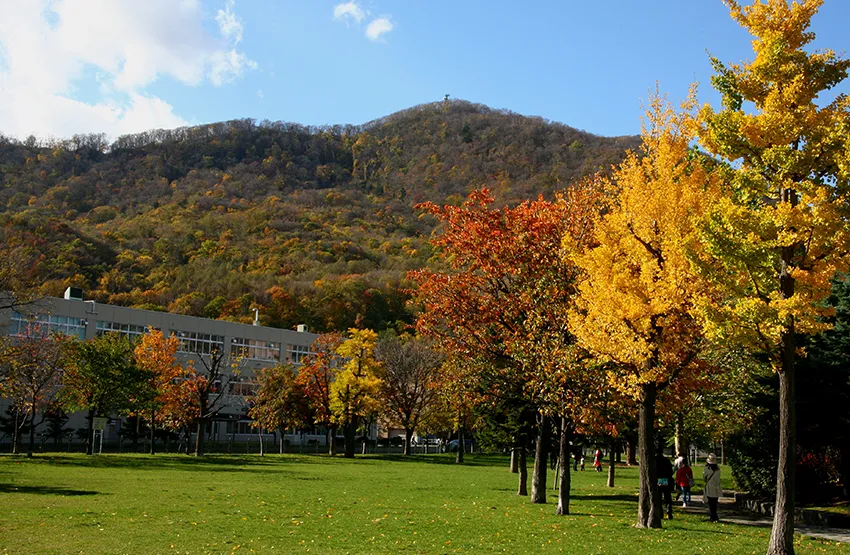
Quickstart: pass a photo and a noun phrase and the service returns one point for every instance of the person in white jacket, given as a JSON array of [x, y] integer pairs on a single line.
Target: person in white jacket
[[712, 490]]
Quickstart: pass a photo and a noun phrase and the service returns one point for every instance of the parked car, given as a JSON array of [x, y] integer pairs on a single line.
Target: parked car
[[453, 445]]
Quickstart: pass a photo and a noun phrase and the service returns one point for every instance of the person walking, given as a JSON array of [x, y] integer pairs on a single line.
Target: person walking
[[665, 481], [712, 491], [597, 460], [677, 464], [685, 481]]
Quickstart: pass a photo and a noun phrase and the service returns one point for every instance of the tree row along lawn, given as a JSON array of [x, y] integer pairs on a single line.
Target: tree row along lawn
[[315, 504]]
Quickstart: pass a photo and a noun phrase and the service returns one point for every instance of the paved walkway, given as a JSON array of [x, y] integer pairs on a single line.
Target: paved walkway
[[729, 512]]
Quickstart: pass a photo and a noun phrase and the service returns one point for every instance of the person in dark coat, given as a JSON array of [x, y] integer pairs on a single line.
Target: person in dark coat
[[665, 482]]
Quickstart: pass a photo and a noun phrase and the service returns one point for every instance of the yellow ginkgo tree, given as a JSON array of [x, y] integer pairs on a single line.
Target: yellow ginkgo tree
[[354, 392], [636, 307], [781, 232]]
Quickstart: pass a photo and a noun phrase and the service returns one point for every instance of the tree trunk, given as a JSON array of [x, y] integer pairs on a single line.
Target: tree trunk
[[153, 449], [90, 434], [522, 488], [32, 429], [408, 437], [541, 450], [199, 440], [782, 535], [631, 451], [332, 447], [350, 431], [16, 433], [514, 466], [461, 443], [611, 464], [564, 464], [680, 441], [136, 435], [649, 502], [260, 437]]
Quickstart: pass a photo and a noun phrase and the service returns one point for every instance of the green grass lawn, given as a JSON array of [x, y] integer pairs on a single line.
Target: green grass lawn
[[315, 504]]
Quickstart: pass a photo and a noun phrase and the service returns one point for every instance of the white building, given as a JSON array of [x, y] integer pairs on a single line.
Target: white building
[[254, 346]]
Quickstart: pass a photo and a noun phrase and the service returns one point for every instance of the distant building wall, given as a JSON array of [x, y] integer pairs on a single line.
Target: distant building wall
[[254, 346]]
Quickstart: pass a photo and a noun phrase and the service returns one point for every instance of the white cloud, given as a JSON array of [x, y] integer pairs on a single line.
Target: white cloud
[[349, 10], [229, 25], [378, 27], [47, 48]]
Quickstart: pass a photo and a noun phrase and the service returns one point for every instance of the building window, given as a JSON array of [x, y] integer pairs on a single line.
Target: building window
[[200, 343], [243, 387], [128, 331], [297, 353], [254, 349], [242, 427], [44, 325]]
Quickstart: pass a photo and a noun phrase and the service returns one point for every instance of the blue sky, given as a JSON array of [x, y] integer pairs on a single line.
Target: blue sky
[[119, 66]]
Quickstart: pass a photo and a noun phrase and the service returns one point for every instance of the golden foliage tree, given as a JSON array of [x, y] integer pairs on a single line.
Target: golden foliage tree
[[782, 231], [637, 302], [354, 393]]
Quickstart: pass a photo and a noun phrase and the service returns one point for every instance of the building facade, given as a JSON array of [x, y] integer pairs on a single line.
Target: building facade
[[254, 347]]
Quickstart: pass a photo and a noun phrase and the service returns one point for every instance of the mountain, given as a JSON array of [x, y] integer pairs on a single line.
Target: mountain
[[311, 225]]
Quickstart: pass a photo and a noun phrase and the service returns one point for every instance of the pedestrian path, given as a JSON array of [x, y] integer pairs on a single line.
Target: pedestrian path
[[729, 512]]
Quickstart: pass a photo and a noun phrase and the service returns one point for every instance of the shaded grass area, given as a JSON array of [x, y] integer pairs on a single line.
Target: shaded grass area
[[317, 504]]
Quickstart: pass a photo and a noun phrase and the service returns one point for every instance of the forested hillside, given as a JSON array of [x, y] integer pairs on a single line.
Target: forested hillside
[[310, 225]]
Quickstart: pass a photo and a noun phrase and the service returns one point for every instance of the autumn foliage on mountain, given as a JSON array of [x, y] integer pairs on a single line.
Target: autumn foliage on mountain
[[310, 225]]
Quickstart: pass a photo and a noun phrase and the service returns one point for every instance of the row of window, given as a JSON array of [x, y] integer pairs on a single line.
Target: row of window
[[43, 325], [254, 349]]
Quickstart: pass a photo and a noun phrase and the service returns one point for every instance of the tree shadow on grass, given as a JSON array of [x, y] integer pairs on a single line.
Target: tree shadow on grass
[[631, 498], [215, 463], [44, 490], [446, 459]]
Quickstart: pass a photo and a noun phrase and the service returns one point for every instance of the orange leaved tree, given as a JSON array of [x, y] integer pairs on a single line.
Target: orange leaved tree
[[315, 375], [156, 354], [503, 299]]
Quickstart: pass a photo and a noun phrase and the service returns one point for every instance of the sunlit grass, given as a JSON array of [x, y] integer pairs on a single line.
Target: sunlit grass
[[315, 504]]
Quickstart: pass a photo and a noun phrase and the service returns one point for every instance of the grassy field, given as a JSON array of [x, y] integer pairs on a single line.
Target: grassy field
[[315, 504]]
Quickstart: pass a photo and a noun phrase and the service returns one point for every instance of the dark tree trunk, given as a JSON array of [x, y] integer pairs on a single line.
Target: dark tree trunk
[[408, 437], [514, 467], [90, 434], [522, 487], [541, 450], [782, 535], [32, 429], [649, 501], [461, 444], [631, 451], [612, 448], [564, 465], [199, 440], [350, 440], [332, 446], [16, 433], [153, 449], [136, 435]]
